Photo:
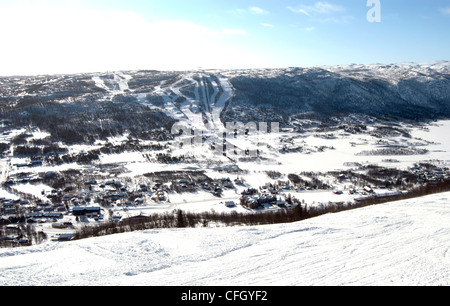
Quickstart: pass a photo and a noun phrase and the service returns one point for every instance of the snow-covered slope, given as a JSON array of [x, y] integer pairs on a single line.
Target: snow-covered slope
[[401, 243]]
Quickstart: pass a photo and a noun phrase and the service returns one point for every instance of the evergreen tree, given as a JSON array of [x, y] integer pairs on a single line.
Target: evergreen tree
[[180, 219]]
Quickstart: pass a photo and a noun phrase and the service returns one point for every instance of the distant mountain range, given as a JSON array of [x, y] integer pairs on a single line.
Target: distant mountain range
[[403, 91], [83, 107]]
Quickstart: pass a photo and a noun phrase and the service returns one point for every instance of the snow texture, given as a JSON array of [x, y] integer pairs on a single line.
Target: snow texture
[[399, 243]]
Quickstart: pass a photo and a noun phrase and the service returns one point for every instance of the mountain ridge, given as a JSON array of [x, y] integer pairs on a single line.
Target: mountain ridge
[[103, 104]]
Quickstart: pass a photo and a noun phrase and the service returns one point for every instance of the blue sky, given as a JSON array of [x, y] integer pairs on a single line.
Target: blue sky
[[66, 36]]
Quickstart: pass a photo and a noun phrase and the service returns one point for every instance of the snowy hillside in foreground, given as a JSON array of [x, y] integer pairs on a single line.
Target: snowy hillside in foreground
[[401, 243]]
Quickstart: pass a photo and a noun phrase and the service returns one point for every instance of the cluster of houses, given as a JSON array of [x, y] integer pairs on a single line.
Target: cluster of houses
[[216, 187], [32, 163], [9, 207], [253, 199], [21, 178], [430, 174], [12, 235], [90, 198]]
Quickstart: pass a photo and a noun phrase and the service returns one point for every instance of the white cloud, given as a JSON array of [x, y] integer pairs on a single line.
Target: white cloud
[[323, 12], [268, 25], [47, 40], [318, 8], [258, 11], [298, 10], [310, 29], [445, 11], [254, 10]]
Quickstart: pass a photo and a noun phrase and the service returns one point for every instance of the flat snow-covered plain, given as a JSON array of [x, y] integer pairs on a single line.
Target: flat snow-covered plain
[[398, 243]]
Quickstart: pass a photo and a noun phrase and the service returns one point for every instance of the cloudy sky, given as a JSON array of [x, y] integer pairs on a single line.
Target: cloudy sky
[[69, 36]]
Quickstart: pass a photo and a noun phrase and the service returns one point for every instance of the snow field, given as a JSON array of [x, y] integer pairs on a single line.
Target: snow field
[[399, 243]]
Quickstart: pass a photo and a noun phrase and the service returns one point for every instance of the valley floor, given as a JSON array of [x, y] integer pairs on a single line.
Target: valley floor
[[320, 151]]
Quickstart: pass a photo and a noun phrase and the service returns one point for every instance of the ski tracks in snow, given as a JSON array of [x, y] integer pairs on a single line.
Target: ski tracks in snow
[[194, 99], [116, 85]]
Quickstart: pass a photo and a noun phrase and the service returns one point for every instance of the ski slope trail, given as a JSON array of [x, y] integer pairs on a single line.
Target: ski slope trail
[[114, 84], [399, 243], [3, 170], [197, 99]]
